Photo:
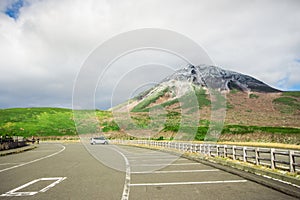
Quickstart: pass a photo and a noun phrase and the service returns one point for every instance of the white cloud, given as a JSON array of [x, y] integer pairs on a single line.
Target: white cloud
[[42, 51]]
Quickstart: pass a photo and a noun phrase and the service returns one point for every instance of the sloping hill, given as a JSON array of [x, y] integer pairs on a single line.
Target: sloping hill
[[251, 105]]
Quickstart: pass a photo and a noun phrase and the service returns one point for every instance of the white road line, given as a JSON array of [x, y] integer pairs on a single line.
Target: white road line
[[176, 171], [157, 159], [15, 193], [22, 164], [163, 164], [275, 179], [39, 151], [126, 189], [58, 180], [150, 157], [146, 155], [10, 163], [187, 183]]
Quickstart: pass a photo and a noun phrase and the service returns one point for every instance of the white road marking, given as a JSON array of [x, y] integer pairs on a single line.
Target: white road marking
[[157, 159], [22, 164], [163, 164], [149, 156], [39, 151], [15, 193], [126, 189], [10, 163], [58, 180], [176, 171], [187, 183], [275, 179]]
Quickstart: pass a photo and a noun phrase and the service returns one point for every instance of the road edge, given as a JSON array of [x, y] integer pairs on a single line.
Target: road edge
[[247, 172], [17, 150]]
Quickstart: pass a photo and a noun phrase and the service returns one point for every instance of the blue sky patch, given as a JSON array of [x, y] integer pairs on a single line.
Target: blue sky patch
[[295, 87], [13, 10]]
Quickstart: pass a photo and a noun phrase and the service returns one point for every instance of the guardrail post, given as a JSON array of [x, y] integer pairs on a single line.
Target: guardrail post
[[292, 161], [217, 149], [256, 156], [225, 151], [233, 153], [272, 157], [244, 154], [209, 150]]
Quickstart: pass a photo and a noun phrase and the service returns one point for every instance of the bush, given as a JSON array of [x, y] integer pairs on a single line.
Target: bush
[[253, 96]]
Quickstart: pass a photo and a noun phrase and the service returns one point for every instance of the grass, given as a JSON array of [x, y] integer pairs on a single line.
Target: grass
[[48, 122], [151, 99], [291, 94], [232, 129], [36, 122], [263, 144], [287, 104], [239, 129], [197, 97], [253, 96]]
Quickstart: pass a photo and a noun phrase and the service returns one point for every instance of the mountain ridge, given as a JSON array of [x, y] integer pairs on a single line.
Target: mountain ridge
[[217, 78], [203, 77]]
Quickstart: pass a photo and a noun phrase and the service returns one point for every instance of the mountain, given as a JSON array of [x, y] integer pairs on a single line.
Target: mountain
[[249, 109], [217, 78], [200, 78]]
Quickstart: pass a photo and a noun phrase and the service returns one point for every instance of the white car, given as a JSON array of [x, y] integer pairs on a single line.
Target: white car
[[99, 140]]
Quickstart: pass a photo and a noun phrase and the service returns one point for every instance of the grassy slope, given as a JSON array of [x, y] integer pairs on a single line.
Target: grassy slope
[[251, 117], [45, 122], [59, 122], [36, 122]]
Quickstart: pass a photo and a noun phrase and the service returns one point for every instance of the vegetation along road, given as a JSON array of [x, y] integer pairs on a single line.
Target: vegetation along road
[[69, 171]]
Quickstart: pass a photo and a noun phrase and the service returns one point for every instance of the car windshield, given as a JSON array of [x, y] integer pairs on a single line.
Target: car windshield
[[100, 138]]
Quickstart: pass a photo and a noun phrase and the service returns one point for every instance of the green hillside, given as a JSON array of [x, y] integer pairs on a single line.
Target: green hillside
[[46, 122], [29, 122], [58, 122]]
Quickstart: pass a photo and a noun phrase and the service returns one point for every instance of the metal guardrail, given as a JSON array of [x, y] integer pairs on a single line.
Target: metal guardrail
[[274, 158]]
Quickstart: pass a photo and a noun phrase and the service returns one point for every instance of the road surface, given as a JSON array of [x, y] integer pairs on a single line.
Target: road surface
[[70, 171]]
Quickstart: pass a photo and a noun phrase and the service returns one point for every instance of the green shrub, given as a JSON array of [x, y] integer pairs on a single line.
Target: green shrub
[[253, 96], [287, 104]]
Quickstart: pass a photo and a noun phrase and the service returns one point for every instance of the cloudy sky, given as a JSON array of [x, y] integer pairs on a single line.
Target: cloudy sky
[[43, 43]]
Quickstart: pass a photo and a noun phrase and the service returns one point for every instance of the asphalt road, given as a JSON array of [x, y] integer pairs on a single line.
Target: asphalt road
[[71, 171]]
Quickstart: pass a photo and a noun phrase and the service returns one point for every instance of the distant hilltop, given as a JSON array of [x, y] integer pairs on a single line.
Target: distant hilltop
[[218, 78]]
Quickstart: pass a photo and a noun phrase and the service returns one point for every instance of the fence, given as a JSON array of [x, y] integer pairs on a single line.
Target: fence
[[274, 158]]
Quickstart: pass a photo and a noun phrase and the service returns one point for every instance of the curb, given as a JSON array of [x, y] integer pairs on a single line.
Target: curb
[[259, 176], [271, 180], [17, 150]]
